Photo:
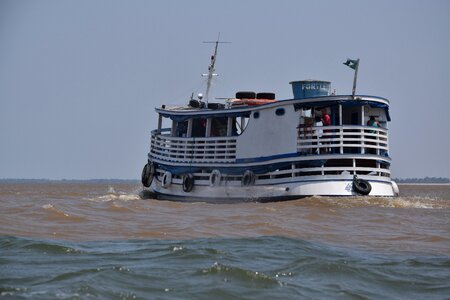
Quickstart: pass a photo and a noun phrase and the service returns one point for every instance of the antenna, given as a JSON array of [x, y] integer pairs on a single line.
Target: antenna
[[211, 67]]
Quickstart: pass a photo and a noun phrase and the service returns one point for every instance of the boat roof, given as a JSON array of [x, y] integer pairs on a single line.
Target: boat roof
[[182, 113]]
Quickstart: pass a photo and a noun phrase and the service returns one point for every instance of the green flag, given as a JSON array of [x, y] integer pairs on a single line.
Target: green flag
[[352, 63]]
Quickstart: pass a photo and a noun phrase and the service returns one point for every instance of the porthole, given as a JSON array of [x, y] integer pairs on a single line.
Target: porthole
[[256, 115], [279, 111]]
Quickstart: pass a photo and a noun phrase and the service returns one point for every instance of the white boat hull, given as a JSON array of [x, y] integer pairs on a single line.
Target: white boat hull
[[272, 192]]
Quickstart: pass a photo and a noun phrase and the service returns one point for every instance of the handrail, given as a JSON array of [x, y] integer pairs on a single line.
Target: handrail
[[183, 139], [342, 139], [192, 149]]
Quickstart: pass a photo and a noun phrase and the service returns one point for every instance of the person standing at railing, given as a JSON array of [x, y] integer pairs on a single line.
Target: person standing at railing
[[326, 120], [372, 123]]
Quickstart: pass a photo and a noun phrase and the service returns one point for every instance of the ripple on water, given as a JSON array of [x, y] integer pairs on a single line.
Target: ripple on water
[[215, 268], [57, 214], [385, 202]]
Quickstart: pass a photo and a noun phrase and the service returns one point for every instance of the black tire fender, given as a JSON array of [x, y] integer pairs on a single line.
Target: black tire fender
[[361, 186], [166, 179], [248, 178], [188, 182], [215, 178], [148, 172]]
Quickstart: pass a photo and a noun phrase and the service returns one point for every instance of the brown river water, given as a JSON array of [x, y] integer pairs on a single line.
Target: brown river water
[[417, 222], [79, 240]]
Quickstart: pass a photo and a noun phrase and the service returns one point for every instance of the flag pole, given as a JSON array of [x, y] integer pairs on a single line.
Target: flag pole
[[211, 68], [354, 79]]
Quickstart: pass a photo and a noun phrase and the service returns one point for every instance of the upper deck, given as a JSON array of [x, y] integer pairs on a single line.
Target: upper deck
[[185, 112], [272, 133]]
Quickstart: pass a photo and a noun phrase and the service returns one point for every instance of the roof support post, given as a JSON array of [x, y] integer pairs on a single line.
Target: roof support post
[[159, 122], [208, 127], [189, 129], [173, 131], [341, 132], [363, 142], [229, 126], [242, 124]]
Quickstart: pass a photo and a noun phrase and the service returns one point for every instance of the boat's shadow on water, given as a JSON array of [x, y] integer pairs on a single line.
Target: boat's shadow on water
[[146, 194], [149, 195]]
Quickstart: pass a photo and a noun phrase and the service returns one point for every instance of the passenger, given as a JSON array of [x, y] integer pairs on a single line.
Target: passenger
[[326, 120], [373, 123], [318, 123]]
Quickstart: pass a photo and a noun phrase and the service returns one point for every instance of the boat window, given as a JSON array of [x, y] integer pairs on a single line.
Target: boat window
[[279, 111], [256, 115], [351, 115], [181, 129], [199, 128], [240, 124], [219, 126]]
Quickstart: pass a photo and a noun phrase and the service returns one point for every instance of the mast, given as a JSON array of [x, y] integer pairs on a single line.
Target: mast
[[211, 68]]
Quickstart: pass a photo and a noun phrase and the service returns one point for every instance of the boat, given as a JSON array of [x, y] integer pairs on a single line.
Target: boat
[[255, 147]]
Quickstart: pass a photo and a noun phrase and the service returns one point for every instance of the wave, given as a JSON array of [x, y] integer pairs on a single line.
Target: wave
[[230, 273], [56, 214], [112, 195], [385, 202]]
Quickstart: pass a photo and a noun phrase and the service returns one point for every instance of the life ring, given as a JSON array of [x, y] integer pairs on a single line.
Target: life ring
[[248, 178], [361, 186], [167, 179], [188, 182], [215, 178], [148, 173]]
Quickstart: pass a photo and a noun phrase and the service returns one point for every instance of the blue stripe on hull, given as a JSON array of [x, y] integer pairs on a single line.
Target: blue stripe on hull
[[265, 158]]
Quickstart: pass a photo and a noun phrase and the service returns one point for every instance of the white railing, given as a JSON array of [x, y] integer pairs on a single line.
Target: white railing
[[293, 174], [342, 139], [192, 150]]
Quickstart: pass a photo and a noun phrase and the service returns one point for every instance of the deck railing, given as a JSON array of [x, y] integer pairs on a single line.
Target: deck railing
[[310, 140], [192, 150], [342, 139]]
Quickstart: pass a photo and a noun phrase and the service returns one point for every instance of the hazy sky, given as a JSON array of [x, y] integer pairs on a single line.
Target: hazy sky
[[79, 79]]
